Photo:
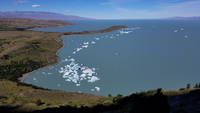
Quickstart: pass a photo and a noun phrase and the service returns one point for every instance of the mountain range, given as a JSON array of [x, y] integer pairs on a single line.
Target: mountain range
[[185, 18], [40, 15]]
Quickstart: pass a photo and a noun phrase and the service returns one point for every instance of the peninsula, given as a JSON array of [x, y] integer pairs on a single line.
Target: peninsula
[[24, 50]]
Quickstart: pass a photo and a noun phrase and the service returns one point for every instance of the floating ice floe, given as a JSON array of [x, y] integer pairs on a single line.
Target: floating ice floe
[[117, 34], [186, 36], [97, 88], [88, 71], [78, 49], [112, 37], [72, 60], [116, 54], [182, 29], [125, 32], [93, 42], [86, 43], [97, 38], [34, 79], [85, 46], [128, 30], [175, 31], [93, 79], [74, 72]]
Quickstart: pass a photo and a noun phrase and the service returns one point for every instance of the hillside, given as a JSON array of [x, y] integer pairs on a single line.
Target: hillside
[[24, 23], [30, 98], [15, 97], [40, 15]]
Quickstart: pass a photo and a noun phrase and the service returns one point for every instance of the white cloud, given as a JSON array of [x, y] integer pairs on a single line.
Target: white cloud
[[35, 6]]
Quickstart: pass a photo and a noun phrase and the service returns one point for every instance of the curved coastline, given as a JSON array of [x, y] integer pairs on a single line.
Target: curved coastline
[[57, 58]]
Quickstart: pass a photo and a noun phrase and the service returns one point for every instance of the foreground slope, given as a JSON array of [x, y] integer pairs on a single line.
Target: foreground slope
[[15, 97], [29, 98]]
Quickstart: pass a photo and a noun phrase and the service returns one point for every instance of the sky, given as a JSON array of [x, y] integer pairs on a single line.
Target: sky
[[108, 9]]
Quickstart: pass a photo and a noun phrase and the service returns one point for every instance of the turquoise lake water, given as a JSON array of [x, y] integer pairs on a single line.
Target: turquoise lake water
[[149, 54]]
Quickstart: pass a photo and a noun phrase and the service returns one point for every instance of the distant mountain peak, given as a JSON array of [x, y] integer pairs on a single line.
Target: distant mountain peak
[[185, 18], [40, 15]]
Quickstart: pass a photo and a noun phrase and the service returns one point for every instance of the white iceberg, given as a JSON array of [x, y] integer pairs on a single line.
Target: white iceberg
[[78, 49], [93, 42], [74, 72], [97, 38], [93, 79], [175, 31], [86, 43], [186, 36], [85, 46], [97, 88]]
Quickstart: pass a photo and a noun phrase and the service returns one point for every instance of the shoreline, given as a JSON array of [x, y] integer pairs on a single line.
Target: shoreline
[[57, 59]]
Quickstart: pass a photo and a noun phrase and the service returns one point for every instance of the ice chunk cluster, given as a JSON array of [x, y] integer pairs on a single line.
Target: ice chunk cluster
[[179, 30], [74, 72], [128, 30], [96, 89], [86, 44], [83, 46]]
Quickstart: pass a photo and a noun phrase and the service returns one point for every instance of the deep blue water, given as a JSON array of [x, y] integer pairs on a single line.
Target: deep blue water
[[150, 54]]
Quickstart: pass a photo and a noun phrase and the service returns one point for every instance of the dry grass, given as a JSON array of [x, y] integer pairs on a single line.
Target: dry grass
[[24, 23], [179, 92], [14, 40], [27, 97]]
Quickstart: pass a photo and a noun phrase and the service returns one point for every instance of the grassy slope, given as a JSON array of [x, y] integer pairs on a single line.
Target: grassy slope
[[25, 51], [29, 98]]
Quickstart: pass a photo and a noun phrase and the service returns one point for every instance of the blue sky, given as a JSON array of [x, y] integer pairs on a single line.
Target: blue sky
[[108, 9]]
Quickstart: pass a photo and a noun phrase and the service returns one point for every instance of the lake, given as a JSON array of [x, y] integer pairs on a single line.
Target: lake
[[149, 54]]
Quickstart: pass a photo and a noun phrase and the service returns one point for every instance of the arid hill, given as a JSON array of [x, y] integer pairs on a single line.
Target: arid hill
[[40, 15], [23, 23]]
